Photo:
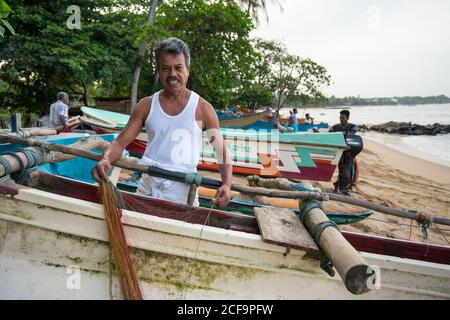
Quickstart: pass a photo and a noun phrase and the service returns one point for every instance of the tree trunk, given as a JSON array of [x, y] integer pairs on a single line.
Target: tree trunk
[[84, 93], [155, 82], [141, 55]]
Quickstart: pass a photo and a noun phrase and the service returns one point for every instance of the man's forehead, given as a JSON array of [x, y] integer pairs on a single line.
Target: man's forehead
[[168, 57]]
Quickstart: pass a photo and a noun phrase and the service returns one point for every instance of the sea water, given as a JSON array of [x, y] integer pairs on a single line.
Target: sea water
[[432, 148]]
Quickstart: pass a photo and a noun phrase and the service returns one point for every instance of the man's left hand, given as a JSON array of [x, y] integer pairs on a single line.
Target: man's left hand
[[222, 197]]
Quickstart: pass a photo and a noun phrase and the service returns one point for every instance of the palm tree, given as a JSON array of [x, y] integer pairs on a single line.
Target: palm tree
[[254, 7]]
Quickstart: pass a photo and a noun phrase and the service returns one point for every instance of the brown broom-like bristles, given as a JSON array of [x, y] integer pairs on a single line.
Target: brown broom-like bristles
[[122, 260]]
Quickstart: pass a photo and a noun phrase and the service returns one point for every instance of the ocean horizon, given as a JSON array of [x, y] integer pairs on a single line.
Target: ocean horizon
[[431, 148]]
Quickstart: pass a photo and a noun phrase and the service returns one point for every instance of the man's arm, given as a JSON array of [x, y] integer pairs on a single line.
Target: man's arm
[[211, 125], [63, 121], [126, 136]]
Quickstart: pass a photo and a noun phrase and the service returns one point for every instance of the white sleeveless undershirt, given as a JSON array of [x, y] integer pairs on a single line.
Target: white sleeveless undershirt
[[174, 143]]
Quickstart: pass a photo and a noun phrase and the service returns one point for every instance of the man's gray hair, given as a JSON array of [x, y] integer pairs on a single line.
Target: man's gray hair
[[174, 46], [61, 95]]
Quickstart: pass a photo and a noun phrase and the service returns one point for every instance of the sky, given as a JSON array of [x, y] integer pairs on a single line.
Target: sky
[[370, 48]]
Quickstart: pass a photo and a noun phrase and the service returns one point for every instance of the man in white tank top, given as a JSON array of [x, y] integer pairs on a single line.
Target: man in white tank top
[[174, 118]]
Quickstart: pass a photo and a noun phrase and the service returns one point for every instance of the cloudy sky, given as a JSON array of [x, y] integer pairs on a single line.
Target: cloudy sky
[[371, 48]]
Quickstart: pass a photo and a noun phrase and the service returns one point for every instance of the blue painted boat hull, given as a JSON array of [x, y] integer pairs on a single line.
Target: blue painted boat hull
[[269, 126]]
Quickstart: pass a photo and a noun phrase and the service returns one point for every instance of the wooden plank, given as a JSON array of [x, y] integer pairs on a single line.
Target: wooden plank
[[282, 227]]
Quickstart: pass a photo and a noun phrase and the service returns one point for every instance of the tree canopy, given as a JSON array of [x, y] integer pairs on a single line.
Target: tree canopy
[[50, 52]]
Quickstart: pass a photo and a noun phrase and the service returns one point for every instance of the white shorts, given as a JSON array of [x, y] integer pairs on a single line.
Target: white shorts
[[165, 189]]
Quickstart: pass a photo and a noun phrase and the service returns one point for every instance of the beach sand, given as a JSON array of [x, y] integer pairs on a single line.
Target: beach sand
[[400, 181]]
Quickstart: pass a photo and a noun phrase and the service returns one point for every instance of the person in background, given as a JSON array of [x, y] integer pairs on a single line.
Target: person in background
[[294, 120], [59, 113], [270, 112], [309, 119], [343, 183]]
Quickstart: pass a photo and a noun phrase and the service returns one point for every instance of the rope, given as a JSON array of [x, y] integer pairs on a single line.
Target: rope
[[118, 244], [17, 157], [442, 234], [307, 206], [117, 196], [193, 178], [5, 163], [410, 230], [319, 228], [21, 175], [32, 157], [196, 251], [425, 220], [316, 232]]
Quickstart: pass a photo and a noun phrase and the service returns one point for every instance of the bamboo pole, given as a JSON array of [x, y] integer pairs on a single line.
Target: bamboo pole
[[178, 176], [153, 171], [285, 184], [354, 271], [30, 132], [88, 143]]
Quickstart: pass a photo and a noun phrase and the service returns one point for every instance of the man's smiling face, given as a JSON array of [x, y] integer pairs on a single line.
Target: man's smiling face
[[173, 71]]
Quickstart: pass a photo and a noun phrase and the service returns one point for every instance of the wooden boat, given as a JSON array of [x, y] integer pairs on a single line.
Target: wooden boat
[[247, 206], [80, 169], [239, 121], [226, 120], [306, 156], [271, 125], [54, 245]]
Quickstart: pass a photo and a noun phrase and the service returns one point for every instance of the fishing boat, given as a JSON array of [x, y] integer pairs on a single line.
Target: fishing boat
[[242, 204], [80, 169], [54, 245], [306, 156], [226, 119], [271, 125], [239, 121]]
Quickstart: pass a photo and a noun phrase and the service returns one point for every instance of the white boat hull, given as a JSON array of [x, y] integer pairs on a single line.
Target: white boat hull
[[55, 247]]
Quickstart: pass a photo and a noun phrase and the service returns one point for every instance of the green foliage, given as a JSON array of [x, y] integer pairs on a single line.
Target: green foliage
[[97, 59], [5, 10], [217, 34], [289, 76], [46, 56]]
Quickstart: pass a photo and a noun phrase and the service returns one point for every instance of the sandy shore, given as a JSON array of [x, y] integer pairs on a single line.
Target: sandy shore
[[398, 180]]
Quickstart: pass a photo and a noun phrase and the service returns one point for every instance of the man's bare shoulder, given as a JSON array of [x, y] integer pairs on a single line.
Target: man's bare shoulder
[[206, 114], [145, 102], [205, 106]]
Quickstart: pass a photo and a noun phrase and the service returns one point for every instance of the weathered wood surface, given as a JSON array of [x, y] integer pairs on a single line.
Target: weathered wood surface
[[89, 143], [282, 227], [284, 184], [30, 132], [352, 268], [123, 163]]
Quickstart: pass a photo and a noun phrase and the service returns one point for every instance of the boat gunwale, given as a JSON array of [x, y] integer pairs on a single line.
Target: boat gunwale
[[306, 144]]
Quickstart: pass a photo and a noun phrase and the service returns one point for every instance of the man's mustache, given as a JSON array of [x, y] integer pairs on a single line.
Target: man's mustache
[[172, 79]]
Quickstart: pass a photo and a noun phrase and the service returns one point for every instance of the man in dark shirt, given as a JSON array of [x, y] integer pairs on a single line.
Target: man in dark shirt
[[346, 162]]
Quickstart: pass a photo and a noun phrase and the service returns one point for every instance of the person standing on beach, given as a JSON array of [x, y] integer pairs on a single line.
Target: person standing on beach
[[270, 112], [174, 119], [294, 120], [59, 112], [343, 184], [309, 119]]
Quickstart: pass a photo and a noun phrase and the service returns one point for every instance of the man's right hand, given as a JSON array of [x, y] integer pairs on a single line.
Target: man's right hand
[[101, 170]]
